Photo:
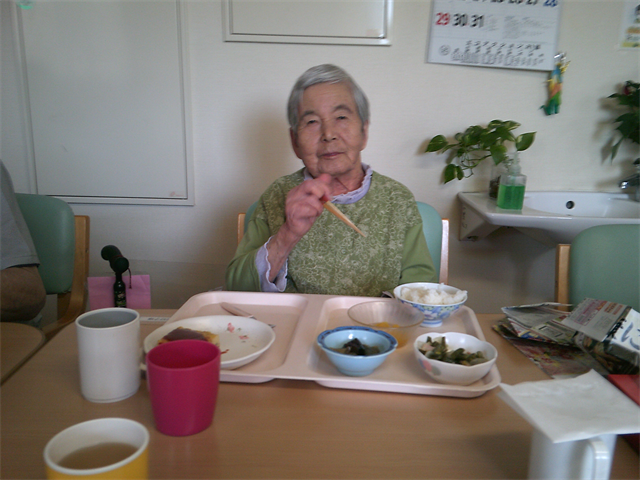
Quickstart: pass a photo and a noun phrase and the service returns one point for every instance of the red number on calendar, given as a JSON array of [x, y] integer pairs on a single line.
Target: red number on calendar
[[442, 18]]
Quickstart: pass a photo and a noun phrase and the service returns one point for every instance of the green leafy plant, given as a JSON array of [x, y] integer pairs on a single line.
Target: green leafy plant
[[629, 122], [478, 143]]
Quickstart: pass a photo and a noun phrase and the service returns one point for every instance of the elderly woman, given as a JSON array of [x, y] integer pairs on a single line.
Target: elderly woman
[[292, 244]]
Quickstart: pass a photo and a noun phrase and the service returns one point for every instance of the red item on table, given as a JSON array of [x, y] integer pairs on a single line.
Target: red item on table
[[630, 386]]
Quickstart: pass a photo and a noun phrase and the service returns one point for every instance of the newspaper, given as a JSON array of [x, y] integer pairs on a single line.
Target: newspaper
[[607, 331], [557, 361], [541, 322], [595, 318], [607, 322], [626, 333]]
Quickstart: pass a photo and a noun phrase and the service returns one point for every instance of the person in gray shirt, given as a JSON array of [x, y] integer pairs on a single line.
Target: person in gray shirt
[[22, 293]]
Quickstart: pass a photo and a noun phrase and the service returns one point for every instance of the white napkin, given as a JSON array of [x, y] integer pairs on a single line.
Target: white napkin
[[575, 408]]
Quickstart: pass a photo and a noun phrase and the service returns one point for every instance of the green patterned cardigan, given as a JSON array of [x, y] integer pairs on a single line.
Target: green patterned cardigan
[[332, 258]]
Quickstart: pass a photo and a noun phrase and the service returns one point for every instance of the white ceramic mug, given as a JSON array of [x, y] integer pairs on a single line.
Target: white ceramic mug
[[588, 459], [109, 353]]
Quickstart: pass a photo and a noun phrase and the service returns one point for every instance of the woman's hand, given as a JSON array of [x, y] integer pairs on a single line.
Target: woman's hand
[[304, 204]]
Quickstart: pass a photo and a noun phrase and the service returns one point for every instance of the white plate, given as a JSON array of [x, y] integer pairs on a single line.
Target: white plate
[[242, 339]]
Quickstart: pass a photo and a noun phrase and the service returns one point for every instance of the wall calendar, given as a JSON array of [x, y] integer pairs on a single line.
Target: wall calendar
[[520, 34]]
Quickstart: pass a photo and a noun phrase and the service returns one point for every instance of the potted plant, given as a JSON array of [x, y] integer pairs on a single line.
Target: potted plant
[[629, 122], [478, 143]]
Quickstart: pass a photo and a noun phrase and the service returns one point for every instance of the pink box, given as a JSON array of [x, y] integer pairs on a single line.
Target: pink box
[[101, 291]]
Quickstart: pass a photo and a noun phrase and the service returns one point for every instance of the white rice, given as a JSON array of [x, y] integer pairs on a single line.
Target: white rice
[[432, 296]]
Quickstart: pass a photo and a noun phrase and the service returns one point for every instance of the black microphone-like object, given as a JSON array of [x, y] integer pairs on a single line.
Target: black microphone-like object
[[119, 265]]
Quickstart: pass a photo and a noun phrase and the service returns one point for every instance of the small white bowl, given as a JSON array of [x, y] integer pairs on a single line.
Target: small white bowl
[[356, 365], [451, 373], [433, 314], [391, 316]]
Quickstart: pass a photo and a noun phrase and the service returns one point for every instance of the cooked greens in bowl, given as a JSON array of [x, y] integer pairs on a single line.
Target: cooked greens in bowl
[[455, 358], [331, 341]]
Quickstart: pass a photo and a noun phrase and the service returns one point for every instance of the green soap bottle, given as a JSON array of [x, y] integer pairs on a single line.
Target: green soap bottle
[[512, 186]]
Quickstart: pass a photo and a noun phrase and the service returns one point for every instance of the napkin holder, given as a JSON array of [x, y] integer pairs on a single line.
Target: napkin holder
[[582, 415]]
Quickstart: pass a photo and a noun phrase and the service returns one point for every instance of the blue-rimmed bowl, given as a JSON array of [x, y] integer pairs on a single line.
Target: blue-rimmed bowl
[[356, 365], [433, 314]]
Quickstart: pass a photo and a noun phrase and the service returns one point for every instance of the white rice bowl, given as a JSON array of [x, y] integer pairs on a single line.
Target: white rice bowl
[[436, 301], [433, 296]]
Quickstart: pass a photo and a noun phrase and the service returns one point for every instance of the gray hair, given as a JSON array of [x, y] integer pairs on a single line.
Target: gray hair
[[325, 74]]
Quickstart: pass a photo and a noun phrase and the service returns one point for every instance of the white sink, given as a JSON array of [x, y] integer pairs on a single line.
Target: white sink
[[549, 217]]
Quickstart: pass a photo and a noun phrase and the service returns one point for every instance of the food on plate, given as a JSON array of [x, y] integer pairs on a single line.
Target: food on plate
[[433, 296], [182, 333], [438, 350], [356, 347]]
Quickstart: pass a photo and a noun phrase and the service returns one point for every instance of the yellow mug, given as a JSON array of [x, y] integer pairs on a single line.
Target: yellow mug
[[105, 448]]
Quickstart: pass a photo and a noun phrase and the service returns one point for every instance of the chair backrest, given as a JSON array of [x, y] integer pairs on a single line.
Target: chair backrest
[[603, 263], [436, 231], [52, 226], [62, 243]]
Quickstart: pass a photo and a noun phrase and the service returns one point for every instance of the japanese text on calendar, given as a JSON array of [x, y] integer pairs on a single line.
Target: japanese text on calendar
[[495, 33]]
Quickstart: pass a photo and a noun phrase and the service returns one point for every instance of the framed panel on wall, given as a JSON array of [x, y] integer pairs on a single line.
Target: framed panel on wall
[[108, 101], [361, 22]]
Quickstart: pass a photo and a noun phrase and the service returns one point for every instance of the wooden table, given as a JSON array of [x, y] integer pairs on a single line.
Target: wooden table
[[290, 429], [17, 343]]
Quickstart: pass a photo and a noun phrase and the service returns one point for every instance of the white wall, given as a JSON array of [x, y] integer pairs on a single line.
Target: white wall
[[240, 143]]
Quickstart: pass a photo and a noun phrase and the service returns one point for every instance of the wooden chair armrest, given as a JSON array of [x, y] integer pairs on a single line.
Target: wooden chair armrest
[[240, 226], [73, 303], [562, 273]]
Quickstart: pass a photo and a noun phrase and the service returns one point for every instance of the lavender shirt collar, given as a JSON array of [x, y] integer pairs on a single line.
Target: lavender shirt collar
[[355, 195]]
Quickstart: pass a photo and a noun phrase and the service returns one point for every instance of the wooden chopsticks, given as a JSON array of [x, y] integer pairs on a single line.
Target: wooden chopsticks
[[333, 209]]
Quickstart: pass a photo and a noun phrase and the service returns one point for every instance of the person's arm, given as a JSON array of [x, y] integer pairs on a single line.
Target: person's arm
[[417, 265], [242, 273], [22, 293], [304, 204]]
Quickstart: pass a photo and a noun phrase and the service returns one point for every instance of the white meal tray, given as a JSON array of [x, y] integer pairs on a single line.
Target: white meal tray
[[298, 319]]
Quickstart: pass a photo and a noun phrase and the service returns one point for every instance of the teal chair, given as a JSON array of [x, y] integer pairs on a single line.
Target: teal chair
[[436, 231], [602, 262], [62, 242]]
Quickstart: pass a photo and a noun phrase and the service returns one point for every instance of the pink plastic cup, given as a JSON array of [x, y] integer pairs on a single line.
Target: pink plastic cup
[[183, 378]]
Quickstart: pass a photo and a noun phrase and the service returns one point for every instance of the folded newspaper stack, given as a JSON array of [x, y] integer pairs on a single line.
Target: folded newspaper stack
[[608, 331], [541, 322]]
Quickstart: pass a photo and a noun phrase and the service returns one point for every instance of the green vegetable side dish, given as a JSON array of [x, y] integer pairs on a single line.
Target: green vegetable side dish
[[438, 350], [355, 347]]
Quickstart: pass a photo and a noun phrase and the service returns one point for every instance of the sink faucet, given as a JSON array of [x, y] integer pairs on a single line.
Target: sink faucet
[[633, 181]]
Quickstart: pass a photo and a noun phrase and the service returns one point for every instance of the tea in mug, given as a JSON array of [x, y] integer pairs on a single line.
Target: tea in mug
[[97, 456]]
